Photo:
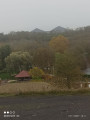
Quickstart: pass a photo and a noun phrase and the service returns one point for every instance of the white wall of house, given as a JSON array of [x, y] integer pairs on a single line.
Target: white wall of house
[[89, 85]]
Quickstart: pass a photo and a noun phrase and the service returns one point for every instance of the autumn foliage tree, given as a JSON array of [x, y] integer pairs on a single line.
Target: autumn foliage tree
[[36, 73], [59, 44], [44, 58]]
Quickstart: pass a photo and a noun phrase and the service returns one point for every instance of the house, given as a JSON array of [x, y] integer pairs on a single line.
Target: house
[[86, 82], [23, 75]]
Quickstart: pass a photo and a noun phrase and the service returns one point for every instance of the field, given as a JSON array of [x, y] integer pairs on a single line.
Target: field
[[38, 88], [46, 107], [23, 87]]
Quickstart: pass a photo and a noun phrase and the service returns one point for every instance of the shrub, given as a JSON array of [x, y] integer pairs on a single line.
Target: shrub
[[36, 73], [6, 76]]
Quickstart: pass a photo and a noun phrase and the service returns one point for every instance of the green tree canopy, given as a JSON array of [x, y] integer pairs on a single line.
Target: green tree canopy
[[18, 61], [66, 66], [4, 52]]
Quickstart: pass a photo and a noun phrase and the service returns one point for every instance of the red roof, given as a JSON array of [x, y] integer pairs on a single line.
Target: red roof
[[22, 74]]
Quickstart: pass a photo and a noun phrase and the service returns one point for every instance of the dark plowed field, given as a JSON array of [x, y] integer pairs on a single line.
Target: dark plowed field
[[45, 108]]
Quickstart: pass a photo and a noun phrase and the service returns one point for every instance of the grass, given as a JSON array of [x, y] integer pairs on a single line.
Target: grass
[[25, 87], [37, 88], [56, 92]]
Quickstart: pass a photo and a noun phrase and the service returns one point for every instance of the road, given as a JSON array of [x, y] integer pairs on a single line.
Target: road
[[45, 108]]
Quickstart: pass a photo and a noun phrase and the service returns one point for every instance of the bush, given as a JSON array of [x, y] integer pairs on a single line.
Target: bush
[[6, 76], [36, 73]]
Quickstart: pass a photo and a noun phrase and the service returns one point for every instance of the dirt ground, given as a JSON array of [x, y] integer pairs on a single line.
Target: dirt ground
[[45, 108]]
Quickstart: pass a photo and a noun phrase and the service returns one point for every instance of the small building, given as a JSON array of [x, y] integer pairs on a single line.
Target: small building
[[23, 75], [87, 72], [85, 85]]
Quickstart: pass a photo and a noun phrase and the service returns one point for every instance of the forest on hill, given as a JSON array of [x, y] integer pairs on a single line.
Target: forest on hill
[[61, 53], [42, 38]]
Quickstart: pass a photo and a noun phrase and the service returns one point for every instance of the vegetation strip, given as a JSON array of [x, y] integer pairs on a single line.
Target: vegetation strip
[[62, 92]]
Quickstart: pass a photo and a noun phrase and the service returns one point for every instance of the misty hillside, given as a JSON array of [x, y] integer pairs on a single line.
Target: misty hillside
[[78, 43], [80, 34]]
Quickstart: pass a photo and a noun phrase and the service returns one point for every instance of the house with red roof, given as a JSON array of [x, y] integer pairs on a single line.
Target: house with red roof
[[23, 75]]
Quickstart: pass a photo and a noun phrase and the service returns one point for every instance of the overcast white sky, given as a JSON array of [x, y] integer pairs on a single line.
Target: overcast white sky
[[16, 15]]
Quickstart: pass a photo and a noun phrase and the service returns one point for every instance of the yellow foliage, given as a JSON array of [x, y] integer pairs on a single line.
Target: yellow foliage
[[36, 72], [59, 44]]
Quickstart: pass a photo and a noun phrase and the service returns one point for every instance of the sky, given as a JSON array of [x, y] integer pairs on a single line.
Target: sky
[[26, 15]]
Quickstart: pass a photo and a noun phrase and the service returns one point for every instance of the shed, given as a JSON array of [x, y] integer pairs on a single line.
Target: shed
[[86, 72], [23, 75]]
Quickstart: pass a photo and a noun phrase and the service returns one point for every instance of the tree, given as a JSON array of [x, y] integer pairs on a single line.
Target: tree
[[4, 52], [44, 58], [36, 73], [18, 61], [66, 67], [59, 44]]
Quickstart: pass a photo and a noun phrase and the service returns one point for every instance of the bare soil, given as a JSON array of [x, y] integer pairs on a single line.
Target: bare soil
[[46, 107]]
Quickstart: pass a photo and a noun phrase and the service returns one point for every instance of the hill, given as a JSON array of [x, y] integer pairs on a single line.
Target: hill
[[37, 30], [58, 29]]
